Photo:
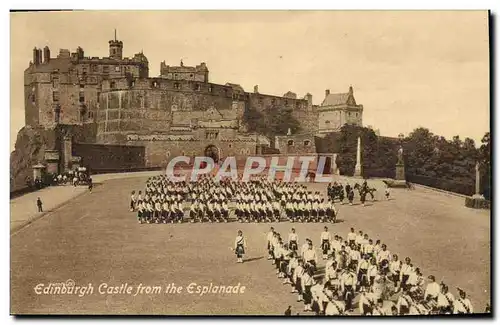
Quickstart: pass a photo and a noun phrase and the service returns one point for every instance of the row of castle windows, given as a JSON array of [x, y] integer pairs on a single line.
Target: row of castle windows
[[177, 85], [306, 143], [348, 114], [57, 115]]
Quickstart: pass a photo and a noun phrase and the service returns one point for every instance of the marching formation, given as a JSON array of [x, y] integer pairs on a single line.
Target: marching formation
[[212, 200], [359, 273]]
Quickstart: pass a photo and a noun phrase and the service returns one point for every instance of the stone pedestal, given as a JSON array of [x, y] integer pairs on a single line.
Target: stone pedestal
[[51, 157], [400, 172], [38, 171], [334, 164], [357, 168]]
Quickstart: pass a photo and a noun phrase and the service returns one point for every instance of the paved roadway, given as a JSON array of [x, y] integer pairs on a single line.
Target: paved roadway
[[95, 239]]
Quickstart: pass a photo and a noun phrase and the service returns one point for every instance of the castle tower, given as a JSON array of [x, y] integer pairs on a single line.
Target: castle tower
[[115, 49]]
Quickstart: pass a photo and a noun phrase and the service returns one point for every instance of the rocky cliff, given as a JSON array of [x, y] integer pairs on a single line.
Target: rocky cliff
[[30, 147]]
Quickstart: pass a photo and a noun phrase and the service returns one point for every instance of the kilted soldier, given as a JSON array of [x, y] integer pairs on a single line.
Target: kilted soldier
[[348, 287], [238, 211], [363, 272], [296, 213], [340, 193], [276, 211], [140, 212], [307, 283], [139, 197], [354, 256], [247, 212], [362, 195], [304, 215], [311, 258], [210, 211], [462, 305], [150, 211], [406, 270], [325, 239], [330, 191], [332, 217], [292, 265], [367, 302], [297, 280], [225, 212], [395, 268], [445, 300], [268, 210], [193, 211], [157, 212], [293, 240], [321, 210], [350, 195], [270, 238], [173, 215], [202, 210], [289, 211], [239, 246], [133, 201]]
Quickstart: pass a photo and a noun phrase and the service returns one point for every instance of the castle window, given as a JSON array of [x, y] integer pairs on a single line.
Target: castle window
[[55, 96], [327, 122], [82, 87], [307, 143], [273, 101], [84, 70], [290, 142], [230, 145], [210, 89], [105, 69], [197, 87], [286, 102], [117, 68], [112, 85], [175, 75], [191, 75], [93, 68], [176, 85], [82, 97], [356, 114], [154, 84], [57, 114]]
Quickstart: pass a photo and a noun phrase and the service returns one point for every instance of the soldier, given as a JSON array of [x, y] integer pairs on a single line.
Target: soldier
[[432, 291], [132, 201], [395, 268], [325, 239], [293, 240], [445, 300], [363, 272], [404, 302], [240, 246], [351, 237], [270, 237], [348, 287], [310, 257], [462, 305], [367, 303], [140, 211], [319, 299], [297, 279], [307, 283]]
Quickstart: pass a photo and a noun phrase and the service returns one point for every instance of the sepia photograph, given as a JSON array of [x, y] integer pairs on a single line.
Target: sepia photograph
[[250, 163]]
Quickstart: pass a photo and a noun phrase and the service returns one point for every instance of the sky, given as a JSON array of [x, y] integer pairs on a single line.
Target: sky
[[408, 69]]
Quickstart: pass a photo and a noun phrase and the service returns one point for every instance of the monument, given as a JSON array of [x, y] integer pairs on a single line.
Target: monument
[[477, 201], [400, 166], [357, 168]]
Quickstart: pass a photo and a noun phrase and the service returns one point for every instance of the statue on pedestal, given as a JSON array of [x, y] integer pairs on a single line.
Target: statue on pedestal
[[400, 156]]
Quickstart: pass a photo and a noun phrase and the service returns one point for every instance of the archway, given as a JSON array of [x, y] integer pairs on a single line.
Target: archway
[[212, 152]]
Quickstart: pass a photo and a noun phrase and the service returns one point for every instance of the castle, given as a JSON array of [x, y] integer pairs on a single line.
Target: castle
[[111, 112]]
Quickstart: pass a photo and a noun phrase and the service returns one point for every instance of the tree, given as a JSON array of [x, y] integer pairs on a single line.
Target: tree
[[272, 121]]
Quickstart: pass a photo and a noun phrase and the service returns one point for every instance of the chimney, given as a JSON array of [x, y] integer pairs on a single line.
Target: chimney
[[35, 56], [40, 56], [46, 54], [327, 92], [256, 89]]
